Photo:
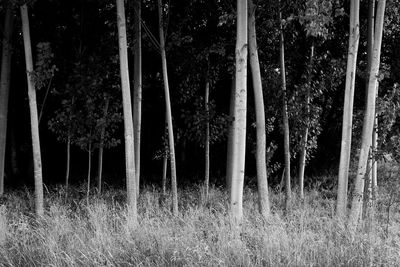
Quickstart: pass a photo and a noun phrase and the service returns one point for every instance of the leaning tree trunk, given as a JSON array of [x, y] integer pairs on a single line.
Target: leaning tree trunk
[[169, 113], [370, 48], [262, 181], [127, 110], [37, 161], [304, 140], [239, 128], [101, 146], [137, 88], [5, 87], [341, 202], [369, 119], [285, 119]]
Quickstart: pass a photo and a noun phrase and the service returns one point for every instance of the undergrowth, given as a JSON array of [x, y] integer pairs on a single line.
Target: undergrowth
[[72, 233]]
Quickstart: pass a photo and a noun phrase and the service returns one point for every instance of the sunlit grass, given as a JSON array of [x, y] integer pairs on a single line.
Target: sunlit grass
[[74, 234]]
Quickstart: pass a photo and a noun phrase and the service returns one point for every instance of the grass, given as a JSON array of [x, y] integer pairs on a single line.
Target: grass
[[75, 234]]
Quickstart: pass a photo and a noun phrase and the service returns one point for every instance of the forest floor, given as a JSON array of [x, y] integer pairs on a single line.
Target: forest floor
[[72, 233]]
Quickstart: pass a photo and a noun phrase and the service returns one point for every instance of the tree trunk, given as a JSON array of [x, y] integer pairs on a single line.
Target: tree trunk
[[341, 202], [374, 177], [164, 176], [68, 164], [262, 179], [169, 113], [370, 166], [5, 87], [101, 147], [137, 89], [285, 119], [369, 119], [229, 155], [89, 171], [207, 139], [304, 140], [127, 110], [239, 124], [37, 161]]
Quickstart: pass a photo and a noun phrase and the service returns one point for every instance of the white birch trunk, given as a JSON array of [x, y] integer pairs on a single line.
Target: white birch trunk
[[37, 160], [127, 110], [262, 179], [341, 203], [169, 113], [285, 119], [369, 119], [239, 130], [137, 89]]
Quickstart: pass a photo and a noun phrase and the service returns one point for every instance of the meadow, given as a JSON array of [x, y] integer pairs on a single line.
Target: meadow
[[74, 233]]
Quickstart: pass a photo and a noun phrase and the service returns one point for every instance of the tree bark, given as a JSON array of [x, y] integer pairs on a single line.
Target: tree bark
[[169, 113], [127, 110], [207, 139], [239, 124], [341, 202], [68, 163], [101, 147], [285, 119], [137, 89], [304, 140], [262, 179], [89, 172], [229, 155], [37, 161], [5, 87], [369, 119]]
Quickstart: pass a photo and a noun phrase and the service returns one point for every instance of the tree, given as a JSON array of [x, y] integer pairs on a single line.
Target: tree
[[168, 112], [285, 119], [341, 202], [369, 119], [239, 123], [262, 179], [5, 87], [315, 19], [207, 133], [101, 145], [37, 161], [137, 88], [127, 111]]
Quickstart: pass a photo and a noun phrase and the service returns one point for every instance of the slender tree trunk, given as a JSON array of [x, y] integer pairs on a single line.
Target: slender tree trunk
[[229, 155], [304, 140], [68, 163], [262, 179], [37, 161], [5, 87], [164, 176], [89, 171], [169, 113], [369, 119], [137, 88], [207, 139], [13, 152], [127, 110], [239, 128], [375, 163], [341, 202], [101, 147], [285, 119], [370, 166]]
